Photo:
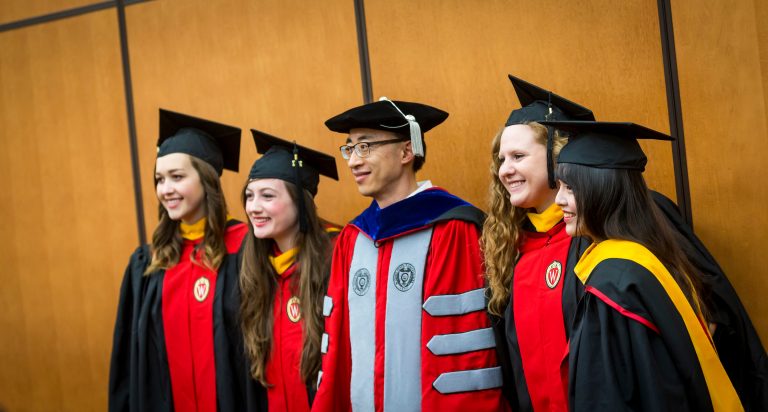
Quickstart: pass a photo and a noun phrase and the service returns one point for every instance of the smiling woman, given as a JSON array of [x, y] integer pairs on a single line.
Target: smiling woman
[[523, 168], [176, 345], [285, 266], [179, 188], [272, 211], [529, 256], [566, 200], [639, 333]]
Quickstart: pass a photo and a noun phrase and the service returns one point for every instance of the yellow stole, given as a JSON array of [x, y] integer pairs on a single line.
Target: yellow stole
[[194, 231], [721, 391], [547, 219], [284, 261]]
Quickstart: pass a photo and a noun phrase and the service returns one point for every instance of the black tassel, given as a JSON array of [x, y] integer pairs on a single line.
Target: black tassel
[[297, 164], [550, 160], [550, 143]]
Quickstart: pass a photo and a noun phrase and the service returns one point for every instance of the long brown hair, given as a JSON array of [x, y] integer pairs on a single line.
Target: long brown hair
[[616, 204], [258, 287], [502, 229], [166, 240]]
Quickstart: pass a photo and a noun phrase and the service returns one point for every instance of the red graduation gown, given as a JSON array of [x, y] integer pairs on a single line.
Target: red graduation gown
[[140, 379], [538, 315], [287, 391], [188, 301]]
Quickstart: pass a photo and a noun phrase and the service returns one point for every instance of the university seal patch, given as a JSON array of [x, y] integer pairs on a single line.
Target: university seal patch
[[553, 274], [361, 281], [404, 276], [293, 309], [201, 288]]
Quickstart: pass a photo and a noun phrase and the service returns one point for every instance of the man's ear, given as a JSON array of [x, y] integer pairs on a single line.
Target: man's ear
[[407, 153]]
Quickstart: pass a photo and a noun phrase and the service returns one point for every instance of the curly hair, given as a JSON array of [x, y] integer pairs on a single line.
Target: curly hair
[[502, 229]]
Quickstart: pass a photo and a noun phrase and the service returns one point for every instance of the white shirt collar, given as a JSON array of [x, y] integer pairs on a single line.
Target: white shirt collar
[[422, 186]]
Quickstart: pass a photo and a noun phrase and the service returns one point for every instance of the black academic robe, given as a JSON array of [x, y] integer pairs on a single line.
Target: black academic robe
[[636, 342], [139, 378], [738, 344]]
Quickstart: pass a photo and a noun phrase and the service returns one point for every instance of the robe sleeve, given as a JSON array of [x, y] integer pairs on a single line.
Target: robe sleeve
[[122, 343], [454, 266], [620, 364], [334, 378], [503, 355]]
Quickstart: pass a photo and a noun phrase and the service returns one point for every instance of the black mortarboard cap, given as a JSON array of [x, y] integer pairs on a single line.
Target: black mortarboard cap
[[412, 119], [605, 145], [293, 163], [278, 162], [539, 104], [214, 143]]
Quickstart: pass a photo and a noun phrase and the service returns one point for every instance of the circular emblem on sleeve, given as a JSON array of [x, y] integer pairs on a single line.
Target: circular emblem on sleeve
[[361, 282], [404, 276], [293, 309], [201, 288], [553, 274]]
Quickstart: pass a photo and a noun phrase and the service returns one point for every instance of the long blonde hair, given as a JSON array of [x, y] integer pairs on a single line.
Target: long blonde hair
[[502, 229], [258, 286], [166, 239]]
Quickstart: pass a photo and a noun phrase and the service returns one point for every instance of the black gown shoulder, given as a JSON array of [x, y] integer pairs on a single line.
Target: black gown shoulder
[[139, 378], [630, 348], [738, 345]]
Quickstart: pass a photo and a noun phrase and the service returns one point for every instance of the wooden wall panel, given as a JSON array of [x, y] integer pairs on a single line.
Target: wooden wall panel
[[456, 55], [286, 66], [722, 55], [761, 16], [282, 67], [13, 10], [67, 207]]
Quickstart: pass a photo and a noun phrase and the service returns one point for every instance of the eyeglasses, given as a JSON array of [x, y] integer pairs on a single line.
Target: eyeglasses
[[363, 149]]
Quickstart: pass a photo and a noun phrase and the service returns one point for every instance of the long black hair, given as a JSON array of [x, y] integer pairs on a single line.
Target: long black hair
[[616, 204]]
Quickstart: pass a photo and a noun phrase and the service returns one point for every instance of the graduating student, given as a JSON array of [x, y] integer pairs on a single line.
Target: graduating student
[[529, 257], [527, 386], [285, 267], [639, 340], [405, 322], [177, 342]]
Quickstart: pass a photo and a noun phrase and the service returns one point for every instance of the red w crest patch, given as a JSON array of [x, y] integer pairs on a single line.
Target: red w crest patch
[[553, 274], [201, 288], [293, 309]]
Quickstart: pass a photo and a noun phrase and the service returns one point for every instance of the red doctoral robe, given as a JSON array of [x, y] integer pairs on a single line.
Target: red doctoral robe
[[406, 326]]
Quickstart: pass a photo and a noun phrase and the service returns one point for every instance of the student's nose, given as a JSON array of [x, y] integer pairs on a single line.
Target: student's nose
[[506, 169]]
